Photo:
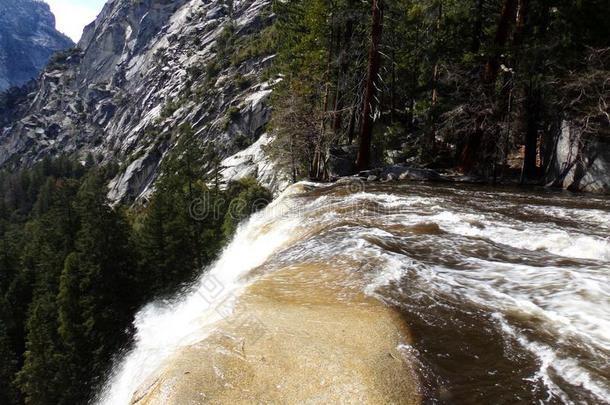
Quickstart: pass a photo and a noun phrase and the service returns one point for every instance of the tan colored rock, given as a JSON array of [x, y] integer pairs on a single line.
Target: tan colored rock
[[302, 335]]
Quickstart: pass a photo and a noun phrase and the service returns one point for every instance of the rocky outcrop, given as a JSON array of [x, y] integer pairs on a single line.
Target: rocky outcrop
[[143, 69], [580, 162], [28, 38], [255, 162], [402, 172]]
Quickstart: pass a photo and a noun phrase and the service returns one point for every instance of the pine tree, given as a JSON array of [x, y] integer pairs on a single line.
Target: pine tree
[[40, 377], [8, 367], [95, 299], [50, 239], [246, 197]]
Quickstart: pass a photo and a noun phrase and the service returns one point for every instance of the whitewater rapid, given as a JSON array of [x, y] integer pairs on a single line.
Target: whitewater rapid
[[507, 292], [162, 328]]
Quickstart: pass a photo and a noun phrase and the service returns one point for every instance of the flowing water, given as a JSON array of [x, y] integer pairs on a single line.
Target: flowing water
[[504, 296]]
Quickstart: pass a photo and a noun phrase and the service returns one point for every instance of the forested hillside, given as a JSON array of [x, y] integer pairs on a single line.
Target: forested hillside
[[73, 270], [483, 86]]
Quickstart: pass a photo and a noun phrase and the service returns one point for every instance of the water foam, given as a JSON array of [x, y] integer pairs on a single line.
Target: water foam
[[528, 236], [550, 363], [570, 302], [162, 329]]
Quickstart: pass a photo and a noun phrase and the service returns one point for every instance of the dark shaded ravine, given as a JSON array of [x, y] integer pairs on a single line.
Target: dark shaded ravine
[[505, 294]]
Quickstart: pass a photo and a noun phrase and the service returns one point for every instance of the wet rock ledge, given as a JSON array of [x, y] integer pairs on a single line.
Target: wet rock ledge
[[302, 334]]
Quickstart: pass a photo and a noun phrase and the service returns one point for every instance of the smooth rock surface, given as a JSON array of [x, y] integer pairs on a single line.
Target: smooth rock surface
[[298, 335], [255, 162]]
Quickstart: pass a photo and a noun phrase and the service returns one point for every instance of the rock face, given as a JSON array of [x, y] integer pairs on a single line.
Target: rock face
[[254, 162], [581, 163], [141, 70], [28, 38]]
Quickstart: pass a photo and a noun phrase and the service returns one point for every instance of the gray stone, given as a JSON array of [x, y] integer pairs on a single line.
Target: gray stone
[[342, 161], [110, 96], [366, 173], [410, 173], [28, 38], [580, 162], [255, 162], [390, 177]]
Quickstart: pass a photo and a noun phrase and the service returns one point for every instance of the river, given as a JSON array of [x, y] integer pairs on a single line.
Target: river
[[390, 293]]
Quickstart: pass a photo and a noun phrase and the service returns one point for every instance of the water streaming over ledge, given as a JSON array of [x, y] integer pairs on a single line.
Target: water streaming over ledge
[[506, 292]]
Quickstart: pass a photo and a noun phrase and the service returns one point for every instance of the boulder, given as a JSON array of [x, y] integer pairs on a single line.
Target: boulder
[[409, 173], [342, 161], [390, 177], [580, 162], [293, 339]]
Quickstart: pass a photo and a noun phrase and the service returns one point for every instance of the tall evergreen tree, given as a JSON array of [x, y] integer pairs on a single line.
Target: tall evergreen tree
[[96, 297]]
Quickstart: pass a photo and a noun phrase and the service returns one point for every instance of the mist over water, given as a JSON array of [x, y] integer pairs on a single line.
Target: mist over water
[[506, 292]]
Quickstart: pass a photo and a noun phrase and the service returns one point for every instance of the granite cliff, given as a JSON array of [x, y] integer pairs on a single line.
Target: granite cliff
[[28, 38], [140, 71]]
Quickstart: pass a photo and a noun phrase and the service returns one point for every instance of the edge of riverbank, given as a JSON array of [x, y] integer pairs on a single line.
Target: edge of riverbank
[[404, 173]]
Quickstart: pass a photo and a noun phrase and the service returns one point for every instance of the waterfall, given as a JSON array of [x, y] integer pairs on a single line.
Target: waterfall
[[163, 328], [499, 295]]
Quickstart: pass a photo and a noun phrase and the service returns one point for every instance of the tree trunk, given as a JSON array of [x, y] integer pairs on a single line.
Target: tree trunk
[[337, 113], [317, 170], [431, 137], [477, 31], [522, 6], [435, 70], [366, 129], [469, 154], [393, 88], [343, 71], [351, 127], [532, 114], [471, 149], [532, 105], [493, 63]]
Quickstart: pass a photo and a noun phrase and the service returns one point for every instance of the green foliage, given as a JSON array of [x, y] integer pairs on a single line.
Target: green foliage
[[96, 296], [61, 59], [319, 57], [8, 359], [169, 108], [246, 197], [450, 76], [243, 82], [212, 70], [74, 270], [40, 379], [181, 229], [259, 44]]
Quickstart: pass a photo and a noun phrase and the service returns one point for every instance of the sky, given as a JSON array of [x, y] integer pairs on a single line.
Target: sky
[[73, 15]]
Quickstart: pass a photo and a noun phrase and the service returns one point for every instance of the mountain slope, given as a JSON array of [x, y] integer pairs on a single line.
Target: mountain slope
[[28, 38], [141, 70]]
